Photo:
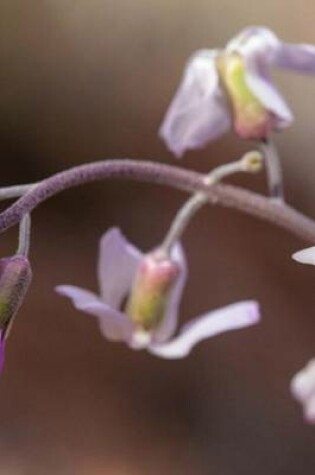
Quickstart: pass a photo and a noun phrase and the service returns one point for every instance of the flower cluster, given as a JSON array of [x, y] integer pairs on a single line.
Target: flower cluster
[[140, 293]]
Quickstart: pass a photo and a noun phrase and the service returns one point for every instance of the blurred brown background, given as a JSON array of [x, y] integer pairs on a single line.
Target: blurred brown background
[[84, 80]]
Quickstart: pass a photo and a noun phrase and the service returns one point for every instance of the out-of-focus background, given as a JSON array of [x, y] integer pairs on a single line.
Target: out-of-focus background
[[85, 80]]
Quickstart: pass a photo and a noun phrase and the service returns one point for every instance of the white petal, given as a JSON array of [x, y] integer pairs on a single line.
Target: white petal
[[255, 40], [306, 256], [113, 324], [118, 261], [309, 410], [259, 81], [199, 111], [303, 389], [303, 383], [232, 317], [169, 324], [260, 48]]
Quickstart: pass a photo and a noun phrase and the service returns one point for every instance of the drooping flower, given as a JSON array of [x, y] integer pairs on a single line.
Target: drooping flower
[[140, 296], [15, 278], [232, 87], [303, 389]]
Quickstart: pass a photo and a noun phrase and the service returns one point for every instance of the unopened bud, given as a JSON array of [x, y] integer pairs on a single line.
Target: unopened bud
[[148, 299], [251, 120], [252, 162], [15, 278]]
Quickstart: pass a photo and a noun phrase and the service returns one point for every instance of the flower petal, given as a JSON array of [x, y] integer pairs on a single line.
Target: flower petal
[[255, 40], [168, 326], [306, 256], [118, 261], [260, 48], [303, 389], [297, 57], [303, 383], [114, 324], [258, 80], [309, 410], [232, 317], [199, 111]]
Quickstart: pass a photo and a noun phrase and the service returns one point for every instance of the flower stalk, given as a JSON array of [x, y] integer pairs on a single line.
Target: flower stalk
[[251, 162], [24, 235]]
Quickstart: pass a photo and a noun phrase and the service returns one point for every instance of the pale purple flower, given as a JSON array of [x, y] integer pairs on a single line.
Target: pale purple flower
[[117, 268], [303, 389], [206, 105]]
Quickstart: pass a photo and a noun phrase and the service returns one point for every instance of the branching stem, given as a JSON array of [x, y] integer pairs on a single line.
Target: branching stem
[[225, 195]]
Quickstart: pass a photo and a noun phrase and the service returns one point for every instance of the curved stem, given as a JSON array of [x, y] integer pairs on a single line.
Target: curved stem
[[182, 219], [225, 195], [24, 235], [250, 162]]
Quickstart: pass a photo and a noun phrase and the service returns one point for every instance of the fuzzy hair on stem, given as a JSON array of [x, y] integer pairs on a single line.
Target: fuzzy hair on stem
[[229, 196]]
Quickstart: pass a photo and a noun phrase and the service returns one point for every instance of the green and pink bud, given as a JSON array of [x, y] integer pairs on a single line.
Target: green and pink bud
[[250, 118], [148, 299], [154, 283], [15, 278]]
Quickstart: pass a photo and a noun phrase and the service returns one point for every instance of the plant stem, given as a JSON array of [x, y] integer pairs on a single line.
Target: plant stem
[[225, 195], [274, 171], [9, 192], [24, 235], [250, 162]]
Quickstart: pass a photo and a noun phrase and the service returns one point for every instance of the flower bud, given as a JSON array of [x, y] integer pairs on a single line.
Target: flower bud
[[155, 277], [252, 162], [15, 278], [251, 120]]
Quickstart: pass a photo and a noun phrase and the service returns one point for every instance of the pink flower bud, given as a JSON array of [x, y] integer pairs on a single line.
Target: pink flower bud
[[155, 277], [250, 118]]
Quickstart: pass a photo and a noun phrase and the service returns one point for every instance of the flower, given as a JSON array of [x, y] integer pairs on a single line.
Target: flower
[[15, 278], [306, 256], [232, 88], [152, 285], [303, 389]]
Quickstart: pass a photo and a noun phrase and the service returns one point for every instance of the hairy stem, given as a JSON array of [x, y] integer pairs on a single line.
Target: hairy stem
[[24, 235], [9, 192], [225, 195], [250, 162]]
